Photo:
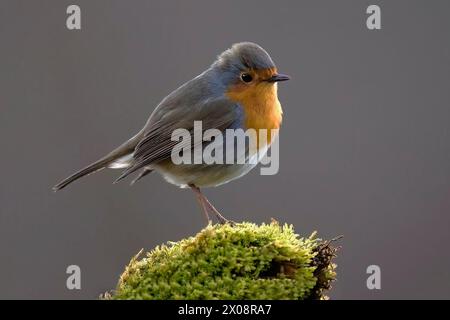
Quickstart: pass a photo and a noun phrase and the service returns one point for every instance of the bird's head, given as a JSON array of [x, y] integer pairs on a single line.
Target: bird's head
[[247, 67]]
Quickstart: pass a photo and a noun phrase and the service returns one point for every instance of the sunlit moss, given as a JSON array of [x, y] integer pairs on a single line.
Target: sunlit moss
[[244, 261]]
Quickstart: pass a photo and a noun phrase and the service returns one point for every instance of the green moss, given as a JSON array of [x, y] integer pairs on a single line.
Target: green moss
[[244, 261]]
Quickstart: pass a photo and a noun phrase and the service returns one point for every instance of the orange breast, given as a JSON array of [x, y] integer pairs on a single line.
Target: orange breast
[[261, 107]]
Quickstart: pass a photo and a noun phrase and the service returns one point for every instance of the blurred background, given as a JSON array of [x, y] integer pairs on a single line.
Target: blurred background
[[364, 146]]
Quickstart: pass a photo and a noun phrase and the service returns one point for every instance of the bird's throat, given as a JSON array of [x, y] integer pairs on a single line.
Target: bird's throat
[[262, 109]]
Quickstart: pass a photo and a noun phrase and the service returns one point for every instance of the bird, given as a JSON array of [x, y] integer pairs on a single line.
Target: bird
[[239, 90]]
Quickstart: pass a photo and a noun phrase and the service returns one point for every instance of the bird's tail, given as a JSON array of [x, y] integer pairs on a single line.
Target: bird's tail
[[125, 149]]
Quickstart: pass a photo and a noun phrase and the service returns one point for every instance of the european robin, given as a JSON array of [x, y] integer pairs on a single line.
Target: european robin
[[238, 91]]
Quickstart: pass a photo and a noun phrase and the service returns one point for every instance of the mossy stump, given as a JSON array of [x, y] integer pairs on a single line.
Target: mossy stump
[[243, 261]]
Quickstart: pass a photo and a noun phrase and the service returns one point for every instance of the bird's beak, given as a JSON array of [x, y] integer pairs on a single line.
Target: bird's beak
[[278, 77]]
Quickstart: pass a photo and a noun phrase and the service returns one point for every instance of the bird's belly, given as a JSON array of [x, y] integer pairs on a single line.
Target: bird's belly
[[208, 175], [201, 175]]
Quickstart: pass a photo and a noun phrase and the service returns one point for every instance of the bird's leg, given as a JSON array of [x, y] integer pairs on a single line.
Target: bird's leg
[[199, 197], [208, 204], [220, 217]]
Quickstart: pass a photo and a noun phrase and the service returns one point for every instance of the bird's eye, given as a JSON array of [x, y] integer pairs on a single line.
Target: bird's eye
[[246, 77]]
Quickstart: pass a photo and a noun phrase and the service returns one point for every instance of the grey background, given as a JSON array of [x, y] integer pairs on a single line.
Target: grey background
[[365, 143]]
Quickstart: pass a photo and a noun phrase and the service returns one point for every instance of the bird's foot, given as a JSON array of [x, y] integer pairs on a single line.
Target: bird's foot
[[224, 221], [219, 216]]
